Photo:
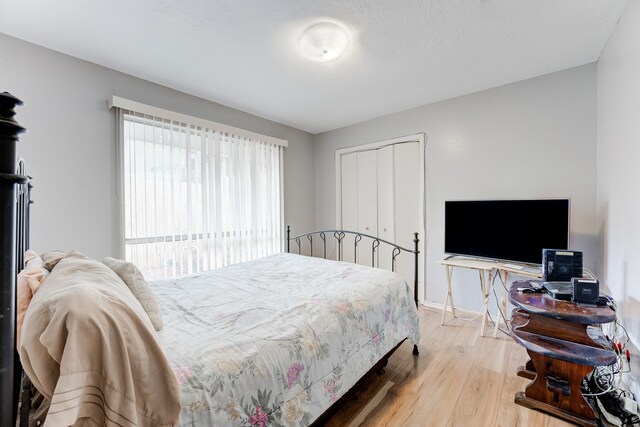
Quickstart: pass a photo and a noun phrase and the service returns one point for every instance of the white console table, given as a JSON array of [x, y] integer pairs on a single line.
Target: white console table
[[486, 270]]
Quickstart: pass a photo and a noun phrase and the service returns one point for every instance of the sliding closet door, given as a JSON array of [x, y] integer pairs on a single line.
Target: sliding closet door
[[367, 201], [407, 203], [367, 192], [386, 180], [349, 190], [386, 204]]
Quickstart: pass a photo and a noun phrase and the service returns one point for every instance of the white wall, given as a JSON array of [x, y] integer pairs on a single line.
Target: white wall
[[619, 171], [70, 147], [531, 139]]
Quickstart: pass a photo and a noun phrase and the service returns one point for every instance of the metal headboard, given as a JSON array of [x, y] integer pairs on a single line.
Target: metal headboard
[[22, 244], [14, 233], [339, 237]]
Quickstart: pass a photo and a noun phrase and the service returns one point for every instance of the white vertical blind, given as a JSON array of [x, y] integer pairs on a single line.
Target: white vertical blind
[[196, 197]]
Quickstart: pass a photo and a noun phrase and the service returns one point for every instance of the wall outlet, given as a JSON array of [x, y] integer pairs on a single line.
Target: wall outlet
[[629, 405]]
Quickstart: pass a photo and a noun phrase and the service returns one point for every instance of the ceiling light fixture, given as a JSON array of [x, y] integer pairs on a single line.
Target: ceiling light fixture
[[324, 41]]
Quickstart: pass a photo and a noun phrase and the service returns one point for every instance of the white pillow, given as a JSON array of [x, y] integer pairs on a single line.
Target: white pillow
[[134, 279]]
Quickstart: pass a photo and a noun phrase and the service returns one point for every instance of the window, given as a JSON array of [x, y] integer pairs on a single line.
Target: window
[[196, 195]]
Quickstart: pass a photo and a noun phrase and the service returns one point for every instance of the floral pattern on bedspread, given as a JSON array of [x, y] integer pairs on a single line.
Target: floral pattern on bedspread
[[276, 341]]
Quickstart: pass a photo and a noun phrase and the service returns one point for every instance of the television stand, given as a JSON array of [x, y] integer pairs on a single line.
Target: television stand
[[486, 271]]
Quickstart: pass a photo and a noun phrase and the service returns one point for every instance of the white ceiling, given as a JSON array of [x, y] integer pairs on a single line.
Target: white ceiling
[[244, 53]]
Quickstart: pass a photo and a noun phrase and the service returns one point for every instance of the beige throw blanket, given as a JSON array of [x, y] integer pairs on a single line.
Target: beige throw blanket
[[88, 347], [29, 281]]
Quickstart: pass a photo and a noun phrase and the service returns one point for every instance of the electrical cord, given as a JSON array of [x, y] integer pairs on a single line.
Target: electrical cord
[[469, 319], [499, 328], [495, 295], [586, 270], [603, 383], [504, 319]]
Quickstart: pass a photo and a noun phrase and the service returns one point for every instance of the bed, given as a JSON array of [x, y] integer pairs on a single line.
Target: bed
[[289, 346], [276, 341]]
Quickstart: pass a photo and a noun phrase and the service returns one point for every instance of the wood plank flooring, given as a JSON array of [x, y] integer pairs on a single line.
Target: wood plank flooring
[[459, 379]]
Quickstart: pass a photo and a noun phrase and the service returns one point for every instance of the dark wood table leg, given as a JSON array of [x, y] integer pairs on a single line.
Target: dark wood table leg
[[556, 390], [527, 371]]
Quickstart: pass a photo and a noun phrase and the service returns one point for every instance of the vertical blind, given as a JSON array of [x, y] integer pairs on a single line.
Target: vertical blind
[[196, 197]]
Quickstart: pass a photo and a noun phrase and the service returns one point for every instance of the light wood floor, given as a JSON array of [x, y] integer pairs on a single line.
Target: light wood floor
[[459, 379]]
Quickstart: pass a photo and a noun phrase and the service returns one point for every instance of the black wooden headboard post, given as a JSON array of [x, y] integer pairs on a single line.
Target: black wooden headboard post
[[416, 251], [288, 239], [9, 377]]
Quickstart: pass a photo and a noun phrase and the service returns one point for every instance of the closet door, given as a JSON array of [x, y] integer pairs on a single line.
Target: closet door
[[367, 201], [386, 204], [349, 188], [407, 202], [382, 194]]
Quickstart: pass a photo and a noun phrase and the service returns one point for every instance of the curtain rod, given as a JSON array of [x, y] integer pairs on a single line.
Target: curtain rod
[[138, 107]]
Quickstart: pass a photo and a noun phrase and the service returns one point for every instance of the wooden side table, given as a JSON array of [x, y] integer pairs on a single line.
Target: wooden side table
[[563, 347]]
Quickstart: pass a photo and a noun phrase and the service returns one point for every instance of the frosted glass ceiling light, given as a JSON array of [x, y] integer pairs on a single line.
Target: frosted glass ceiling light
[[324, 41]]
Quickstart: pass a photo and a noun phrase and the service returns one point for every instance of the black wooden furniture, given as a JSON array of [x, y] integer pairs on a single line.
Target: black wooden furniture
[[14, 233], [563, 346]]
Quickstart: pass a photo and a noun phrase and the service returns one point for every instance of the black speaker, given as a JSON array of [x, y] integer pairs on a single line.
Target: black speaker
[[561, 265], [585, 291]]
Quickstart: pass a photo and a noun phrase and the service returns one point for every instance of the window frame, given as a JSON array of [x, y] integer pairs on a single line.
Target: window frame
[[124, 106]]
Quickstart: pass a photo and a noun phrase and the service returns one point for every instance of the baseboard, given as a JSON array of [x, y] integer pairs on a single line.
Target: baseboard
[[439, 306]]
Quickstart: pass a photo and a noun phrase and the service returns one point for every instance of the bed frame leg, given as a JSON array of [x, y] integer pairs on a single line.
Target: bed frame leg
[[381, 371], [415, 350]]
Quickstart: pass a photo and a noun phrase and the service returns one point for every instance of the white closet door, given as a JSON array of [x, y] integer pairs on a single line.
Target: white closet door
[[386, 205], [407, 202], [349, 187], [382, 194], [367, 201]]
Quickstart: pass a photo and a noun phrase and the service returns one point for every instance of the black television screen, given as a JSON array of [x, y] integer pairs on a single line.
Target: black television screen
[[512, 230]]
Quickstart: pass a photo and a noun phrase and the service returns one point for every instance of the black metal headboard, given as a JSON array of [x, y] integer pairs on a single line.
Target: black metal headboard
[[339, 236], [14, 235]]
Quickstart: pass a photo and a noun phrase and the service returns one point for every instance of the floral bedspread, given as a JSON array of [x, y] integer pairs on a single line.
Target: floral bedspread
[[276, 341]]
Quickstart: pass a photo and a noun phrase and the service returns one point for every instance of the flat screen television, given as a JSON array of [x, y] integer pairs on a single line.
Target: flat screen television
[[510, 230]]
